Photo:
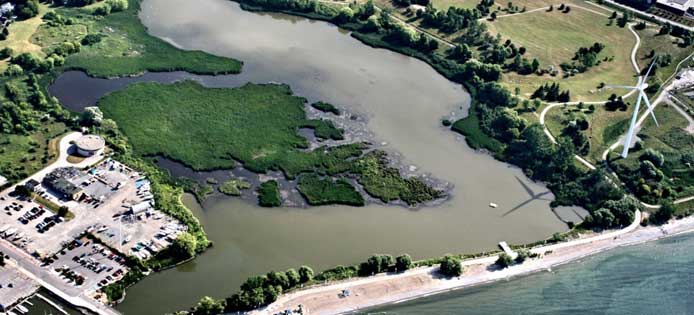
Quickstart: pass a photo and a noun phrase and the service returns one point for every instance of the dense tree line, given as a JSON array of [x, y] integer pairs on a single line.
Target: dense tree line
[[647, 179], [262, 290]]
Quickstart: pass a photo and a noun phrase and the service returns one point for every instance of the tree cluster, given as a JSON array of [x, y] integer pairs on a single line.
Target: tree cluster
[[551, 92], [615, 102], [262, 290]]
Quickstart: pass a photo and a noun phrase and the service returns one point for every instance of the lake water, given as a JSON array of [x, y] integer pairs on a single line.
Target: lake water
[[653, 278], [404, 100]]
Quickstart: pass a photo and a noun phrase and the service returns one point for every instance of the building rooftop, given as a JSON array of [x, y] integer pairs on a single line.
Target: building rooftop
[[682, 5], [90, 143]]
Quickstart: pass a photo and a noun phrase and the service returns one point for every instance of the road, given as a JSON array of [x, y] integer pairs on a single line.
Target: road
[[30, 266]]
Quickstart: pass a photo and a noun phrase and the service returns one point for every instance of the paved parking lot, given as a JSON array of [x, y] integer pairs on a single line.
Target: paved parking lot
[[110, 193], [14, 285], [86, 264], [21, 220]]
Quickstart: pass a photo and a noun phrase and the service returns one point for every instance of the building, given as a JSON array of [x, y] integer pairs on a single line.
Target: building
[[31, 184], [58, 181], [89, 145], [140, 207], [676, 6]]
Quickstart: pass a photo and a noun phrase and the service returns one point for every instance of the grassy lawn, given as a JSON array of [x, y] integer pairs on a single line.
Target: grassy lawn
[[662, 44], [445, 4], [22, 155], [125, 48], [20, 36], [554, 37], [604, 129]]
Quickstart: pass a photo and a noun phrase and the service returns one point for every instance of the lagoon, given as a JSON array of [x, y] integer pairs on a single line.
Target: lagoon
[[403, 101]]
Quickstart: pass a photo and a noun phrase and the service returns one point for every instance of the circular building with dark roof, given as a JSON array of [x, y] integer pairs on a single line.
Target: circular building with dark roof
[[88, 145]]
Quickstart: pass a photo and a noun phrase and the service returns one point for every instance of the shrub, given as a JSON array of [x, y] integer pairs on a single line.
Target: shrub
[[504, 260], [269, 194], [451, 266], [117, 5], [403, 262]]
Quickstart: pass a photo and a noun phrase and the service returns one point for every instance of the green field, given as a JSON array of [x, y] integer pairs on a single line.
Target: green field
[[210, 128], [125, 48], [256, 125], [662, 44], [19, 38], [322, 191], [22, 155], [604, 129], [554, 37]]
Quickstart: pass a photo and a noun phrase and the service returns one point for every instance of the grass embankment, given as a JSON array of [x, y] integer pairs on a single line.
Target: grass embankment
[[554, 37], [256, 125], [125, 47]]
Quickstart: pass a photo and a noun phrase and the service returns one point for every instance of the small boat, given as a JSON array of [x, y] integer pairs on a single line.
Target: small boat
[[11, 313], [21, 309], [493, 205]]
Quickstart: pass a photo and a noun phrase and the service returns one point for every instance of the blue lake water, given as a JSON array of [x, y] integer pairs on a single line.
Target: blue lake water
[[653, 278]]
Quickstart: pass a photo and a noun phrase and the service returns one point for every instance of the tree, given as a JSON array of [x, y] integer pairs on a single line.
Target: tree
[[305, 274], [403, 262], [451, 266], [184, 246], [62, 211], [653, 156], [293, 277], [504, 260], [22, 191], [209, 306], [278, 279], [117, 5], [271, 293], [665, 213], [371, 266], [344, 15], [523, 254]]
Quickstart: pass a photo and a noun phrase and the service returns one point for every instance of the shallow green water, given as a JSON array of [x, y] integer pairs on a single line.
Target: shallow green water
[[653, 278]]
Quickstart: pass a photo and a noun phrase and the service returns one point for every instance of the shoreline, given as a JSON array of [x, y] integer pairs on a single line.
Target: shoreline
[[388, 289]]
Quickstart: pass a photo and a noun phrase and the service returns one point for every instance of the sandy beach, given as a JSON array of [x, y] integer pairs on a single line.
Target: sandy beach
[[393, 288]]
